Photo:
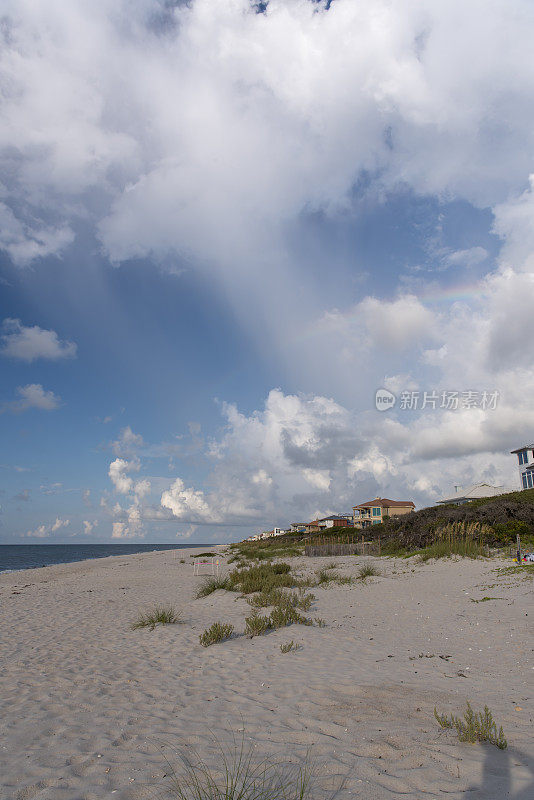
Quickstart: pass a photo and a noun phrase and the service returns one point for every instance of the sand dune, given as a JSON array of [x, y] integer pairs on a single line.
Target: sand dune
[[90, 708]]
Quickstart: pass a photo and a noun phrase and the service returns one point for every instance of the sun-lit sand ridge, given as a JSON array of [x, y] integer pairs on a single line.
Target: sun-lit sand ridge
[[89, 706]]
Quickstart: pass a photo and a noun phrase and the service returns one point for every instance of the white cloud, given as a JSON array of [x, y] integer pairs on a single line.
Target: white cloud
[[44, 530], [89, 526], [28, 343], [33, 396], [117, 472], [253, 117], [188, 503], [398, 324], [127, 443]]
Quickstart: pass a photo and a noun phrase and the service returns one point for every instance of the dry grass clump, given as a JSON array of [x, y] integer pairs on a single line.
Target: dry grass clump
[[158, 615], [474, 727], [218, 632], [238, 777]]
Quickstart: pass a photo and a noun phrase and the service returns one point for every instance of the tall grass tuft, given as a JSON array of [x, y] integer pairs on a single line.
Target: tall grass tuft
[[237, 777], [367, 571], [474, 727], [159, 615]]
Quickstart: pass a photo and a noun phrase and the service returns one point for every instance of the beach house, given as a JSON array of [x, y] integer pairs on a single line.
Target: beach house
[[373, 512], [472, 493], [525, 458]]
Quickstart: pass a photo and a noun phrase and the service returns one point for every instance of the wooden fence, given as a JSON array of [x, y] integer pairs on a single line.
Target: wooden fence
[[346, 545]]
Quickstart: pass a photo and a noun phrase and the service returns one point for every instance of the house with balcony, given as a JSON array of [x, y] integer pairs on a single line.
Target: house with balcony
[[525, 459], [373, 512]]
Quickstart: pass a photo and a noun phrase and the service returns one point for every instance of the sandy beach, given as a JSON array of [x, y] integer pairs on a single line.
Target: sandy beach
[[92, 709]]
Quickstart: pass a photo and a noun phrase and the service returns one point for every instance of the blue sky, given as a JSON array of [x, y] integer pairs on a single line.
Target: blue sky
[[222, 231]]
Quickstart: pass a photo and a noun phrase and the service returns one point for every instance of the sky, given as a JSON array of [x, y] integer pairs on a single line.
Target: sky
[[225, 226]]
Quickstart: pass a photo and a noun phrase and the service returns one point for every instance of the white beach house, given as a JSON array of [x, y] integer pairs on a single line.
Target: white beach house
[[525, 458]]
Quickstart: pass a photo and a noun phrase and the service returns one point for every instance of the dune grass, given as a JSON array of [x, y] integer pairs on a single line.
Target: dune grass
[[256, 625], [238, 776], [203, 555], [367, 571], [444, 549], [210, 584], [216, 633], [262, 578], [326, 576], [158, 615], [474, 727]]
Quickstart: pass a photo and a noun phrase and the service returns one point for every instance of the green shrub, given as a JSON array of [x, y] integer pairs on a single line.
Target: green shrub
[[321, 623], [203, 555], [159, 615], [211, 584], [218, 632], [256, 625], [507, 532], [281, 616], [474, 727]]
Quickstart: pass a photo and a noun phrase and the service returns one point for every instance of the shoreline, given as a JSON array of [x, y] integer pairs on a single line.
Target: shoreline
[[85, 699], [97, 557]]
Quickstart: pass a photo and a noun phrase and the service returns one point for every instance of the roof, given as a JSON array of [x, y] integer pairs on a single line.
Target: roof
[[332, 516], [383, 502], [475, 491], [525, 447]]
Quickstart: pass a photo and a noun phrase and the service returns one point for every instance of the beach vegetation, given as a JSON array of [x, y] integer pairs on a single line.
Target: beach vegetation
[[256, 625], [262, 578], [474, 727], [238, 776], [282, 616], [216, 633], [203, 555], [158, 615], [289, 647], [278, 597], [367, 570], [210, 584], [325, 576], [321, 623]]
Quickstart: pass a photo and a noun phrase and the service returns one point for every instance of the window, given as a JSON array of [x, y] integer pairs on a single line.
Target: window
[[376, 522], [523, 456], [524, 479], [529, 479], [376, 512]]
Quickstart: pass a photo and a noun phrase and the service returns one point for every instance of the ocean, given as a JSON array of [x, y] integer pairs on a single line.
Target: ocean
[[29, 556]]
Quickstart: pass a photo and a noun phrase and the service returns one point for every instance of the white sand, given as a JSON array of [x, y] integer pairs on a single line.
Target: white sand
[[88, 706]]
